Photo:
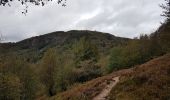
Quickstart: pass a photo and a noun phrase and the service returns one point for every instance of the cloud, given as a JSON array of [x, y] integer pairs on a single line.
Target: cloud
[[126, 18]]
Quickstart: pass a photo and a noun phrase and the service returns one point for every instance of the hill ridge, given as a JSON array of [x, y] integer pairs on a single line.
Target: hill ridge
[[60, 38]]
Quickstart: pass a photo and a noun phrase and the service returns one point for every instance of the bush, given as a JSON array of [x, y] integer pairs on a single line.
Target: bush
[[10, 87], [19, 72]]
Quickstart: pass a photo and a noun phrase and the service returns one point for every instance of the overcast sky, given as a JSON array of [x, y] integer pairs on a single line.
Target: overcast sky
[[125, 18]]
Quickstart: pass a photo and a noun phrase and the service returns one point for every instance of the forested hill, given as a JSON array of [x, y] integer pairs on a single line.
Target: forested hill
[[49, 64], [61, 38], [63, 41]]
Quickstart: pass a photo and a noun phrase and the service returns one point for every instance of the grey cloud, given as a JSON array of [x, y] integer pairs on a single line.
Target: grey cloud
[[127, 18]]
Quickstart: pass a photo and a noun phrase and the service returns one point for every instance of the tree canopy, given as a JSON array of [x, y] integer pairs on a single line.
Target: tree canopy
[[34, 2], [166, 8]]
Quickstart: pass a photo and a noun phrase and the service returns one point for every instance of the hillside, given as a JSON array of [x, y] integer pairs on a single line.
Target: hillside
[[52, 63], [75, 65], [61, 40], [84, 64], [149, 81]]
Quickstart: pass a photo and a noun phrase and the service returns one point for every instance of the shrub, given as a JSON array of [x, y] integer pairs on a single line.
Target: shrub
[[10, 87]]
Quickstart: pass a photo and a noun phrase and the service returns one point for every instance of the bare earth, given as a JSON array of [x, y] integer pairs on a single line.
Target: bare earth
[[105, 92]]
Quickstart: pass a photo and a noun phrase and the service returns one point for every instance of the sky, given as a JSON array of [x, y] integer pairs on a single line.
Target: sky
[[123, 18]]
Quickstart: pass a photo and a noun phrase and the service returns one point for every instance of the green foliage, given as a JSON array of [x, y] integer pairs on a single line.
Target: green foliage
[[56, 71], [137, 51], [50, 71], [123, 57], [49, 66], [164, 36], [23, 74], [61, 70], [103, 63], [115, 60], [10, 87], [86, 56], [85, 50]]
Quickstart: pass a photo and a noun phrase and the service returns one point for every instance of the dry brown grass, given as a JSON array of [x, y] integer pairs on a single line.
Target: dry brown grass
[[90, 89], [150, 81]]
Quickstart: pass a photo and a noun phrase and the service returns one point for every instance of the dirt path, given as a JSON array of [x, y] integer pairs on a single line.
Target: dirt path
[[105, 92]]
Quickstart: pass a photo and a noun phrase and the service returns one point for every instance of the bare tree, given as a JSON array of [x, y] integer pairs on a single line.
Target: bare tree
[[0, 37], [166, 11], [34, 2], [25, 3]]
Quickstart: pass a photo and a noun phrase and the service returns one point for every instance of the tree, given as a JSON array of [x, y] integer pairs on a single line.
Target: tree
[[84, 50], [86, 56], [49, 65], [53, 71], [166, 8], [136, 51], [155, 45], [17, 75], [1, 37], [10, 87], [116, 61], [164, 29], [34, 2], [56, 71]]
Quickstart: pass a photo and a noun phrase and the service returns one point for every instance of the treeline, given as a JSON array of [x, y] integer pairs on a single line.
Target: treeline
[[140, 50], [136, 51]]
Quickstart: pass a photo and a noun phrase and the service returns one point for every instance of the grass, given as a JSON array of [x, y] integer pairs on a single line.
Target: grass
[[90, 89], [150, 81]]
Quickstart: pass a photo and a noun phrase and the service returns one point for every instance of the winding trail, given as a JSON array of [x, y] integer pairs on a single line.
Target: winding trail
[[105, 92]]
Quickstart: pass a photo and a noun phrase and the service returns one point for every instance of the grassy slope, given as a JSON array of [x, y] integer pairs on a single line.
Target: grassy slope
[[90, 89], [150, 81]]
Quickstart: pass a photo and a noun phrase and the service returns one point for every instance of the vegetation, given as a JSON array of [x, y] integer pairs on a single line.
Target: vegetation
[[86, 56], [18, 80], [163, 31], [50, 67], [26, 2], [10, 87], [166, 11], [30, 70], [84, 50], [60, 71], [56, 64], [149, 81], [136, 52]]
